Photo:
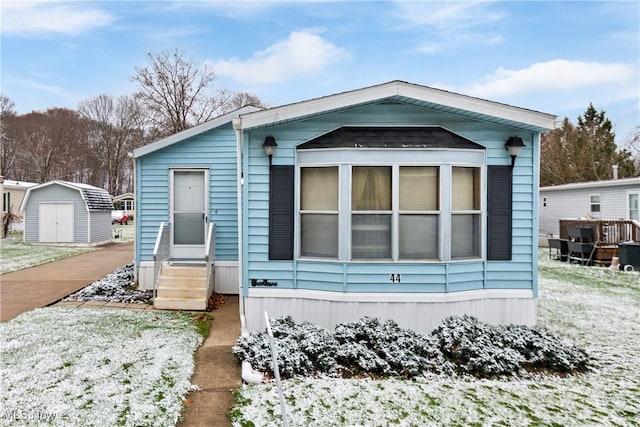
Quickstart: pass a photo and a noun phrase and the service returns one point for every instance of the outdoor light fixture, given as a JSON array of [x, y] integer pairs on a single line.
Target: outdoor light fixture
[[269, 146], [513, 145]]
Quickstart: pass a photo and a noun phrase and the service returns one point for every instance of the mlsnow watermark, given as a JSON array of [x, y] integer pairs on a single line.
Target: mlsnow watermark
[[27, 415]]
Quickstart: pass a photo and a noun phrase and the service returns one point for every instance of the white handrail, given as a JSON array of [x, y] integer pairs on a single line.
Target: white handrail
[[160, 253], [210, 256]]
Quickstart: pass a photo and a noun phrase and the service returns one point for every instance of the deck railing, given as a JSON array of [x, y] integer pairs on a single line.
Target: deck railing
[[161, 252], [606, 232]]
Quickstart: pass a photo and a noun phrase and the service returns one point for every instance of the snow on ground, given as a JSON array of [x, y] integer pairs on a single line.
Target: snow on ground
[[82, 367], [117, 286], [594, 308], [15, 255]]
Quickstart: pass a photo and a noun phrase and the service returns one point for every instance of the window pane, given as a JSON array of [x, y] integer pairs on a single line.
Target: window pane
[[465, 189], [419, 188], [633, 207], [188, 229], [465, 236], [371, 236], [418, 236], [319, 235], [595, 202], [371, 188], [319, 189]]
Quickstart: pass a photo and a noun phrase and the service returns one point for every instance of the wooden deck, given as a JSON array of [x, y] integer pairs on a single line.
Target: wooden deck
[[605, 236]]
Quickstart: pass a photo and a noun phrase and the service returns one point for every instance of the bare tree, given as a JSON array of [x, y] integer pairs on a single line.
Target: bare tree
[[114, 128], [51, 145], [176, 92], [243, 99], [7, 139]]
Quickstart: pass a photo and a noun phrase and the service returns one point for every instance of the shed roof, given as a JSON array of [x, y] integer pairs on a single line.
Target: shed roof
[[96, 199]]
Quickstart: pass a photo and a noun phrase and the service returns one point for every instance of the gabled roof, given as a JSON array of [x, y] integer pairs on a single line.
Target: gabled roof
[[635, 181], [194, 131], [405, 93], [96, 199]]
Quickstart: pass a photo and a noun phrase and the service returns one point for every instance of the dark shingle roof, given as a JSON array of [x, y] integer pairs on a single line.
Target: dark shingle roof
[[97, 199], [390, 137]]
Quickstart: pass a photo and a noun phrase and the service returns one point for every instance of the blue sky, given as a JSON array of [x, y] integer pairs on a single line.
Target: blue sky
[[550, 56]]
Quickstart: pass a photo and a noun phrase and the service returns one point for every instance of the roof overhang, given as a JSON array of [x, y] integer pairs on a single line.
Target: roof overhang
[[406, 93], [191, 132], [594, 184]]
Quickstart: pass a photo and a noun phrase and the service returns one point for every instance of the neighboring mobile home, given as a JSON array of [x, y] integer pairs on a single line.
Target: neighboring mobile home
[[125, 202], [608, 199], [67, 213], [13, 193], [396, 201]]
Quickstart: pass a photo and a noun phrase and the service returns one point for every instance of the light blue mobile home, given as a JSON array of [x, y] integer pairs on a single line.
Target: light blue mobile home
[[397, 201]]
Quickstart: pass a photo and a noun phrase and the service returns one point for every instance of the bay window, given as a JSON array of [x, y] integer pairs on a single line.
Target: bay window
[[398, 212]]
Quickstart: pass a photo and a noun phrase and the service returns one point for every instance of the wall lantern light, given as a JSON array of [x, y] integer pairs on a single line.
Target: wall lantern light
[[514, 145], [269, 146]]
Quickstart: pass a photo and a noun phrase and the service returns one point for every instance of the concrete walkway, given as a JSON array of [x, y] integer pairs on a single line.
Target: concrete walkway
[[217, 371]]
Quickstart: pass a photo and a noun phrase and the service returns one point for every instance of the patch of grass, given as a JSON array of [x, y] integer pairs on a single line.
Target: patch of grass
[[17, 255], [202, 322]]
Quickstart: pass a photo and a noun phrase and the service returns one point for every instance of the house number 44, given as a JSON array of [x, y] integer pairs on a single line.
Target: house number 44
[[394, 278]]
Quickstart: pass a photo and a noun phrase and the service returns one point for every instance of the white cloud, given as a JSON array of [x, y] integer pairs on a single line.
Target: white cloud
[[43, 16], [447, 16], [37, 86], [554, 75], [452, 24], [303, 53]]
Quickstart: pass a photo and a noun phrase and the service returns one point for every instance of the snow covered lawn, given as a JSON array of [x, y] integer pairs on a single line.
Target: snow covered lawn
[[594, 308], [16, 255], [82, 367]]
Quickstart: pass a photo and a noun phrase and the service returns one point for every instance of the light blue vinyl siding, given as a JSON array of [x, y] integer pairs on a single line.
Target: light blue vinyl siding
[[214, 150], [519, 273]]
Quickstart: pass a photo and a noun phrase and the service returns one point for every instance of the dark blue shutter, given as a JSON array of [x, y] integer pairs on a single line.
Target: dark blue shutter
[[499, 212], [281, 213]]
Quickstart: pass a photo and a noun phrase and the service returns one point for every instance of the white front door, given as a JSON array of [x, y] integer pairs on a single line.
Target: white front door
[[189, 213], [56, 223]]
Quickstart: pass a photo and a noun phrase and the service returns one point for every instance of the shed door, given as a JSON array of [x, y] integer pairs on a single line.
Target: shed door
[[56, 222], [189, 213]]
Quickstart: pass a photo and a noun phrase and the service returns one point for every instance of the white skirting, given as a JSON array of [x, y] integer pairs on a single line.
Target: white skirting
[[420, 312], [226, 276]]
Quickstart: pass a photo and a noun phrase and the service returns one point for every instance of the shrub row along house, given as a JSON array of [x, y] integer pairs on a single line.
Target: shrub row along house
[[396, 201]]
